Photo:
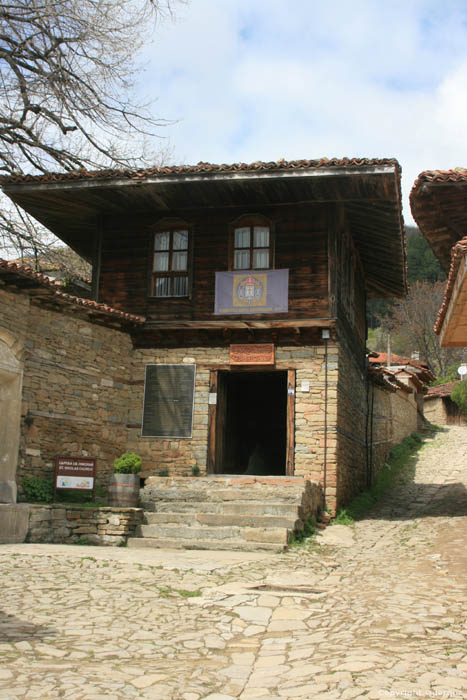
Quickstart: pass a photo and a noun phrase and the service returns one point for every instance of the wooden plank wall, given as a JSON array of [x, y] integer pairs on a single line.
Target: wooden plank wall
[[300, 245]]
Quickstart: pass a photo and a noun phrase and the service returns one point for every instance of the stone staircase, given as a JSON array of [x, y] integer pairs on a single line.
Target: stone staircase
[[247, 513]]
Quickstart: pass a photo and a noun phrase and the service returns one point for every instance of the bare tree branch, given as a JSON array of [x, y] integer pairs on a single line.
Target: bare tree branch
[[67, 76]]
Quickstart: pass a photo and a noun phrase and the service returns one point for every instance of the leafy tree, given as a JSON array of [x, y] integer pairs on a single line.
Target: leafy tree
[[421, 261], [68, 70], [411, 327], [459, 396]]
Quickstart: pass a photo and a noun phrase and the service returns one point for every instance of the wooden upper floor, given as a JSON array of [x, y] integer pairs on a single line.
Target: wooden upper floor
[[158, 237]]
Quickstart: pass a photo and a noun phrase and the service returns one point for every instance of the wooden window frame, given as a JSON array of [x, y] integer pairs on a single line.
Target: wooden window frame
[[171, 226], [250, 221]]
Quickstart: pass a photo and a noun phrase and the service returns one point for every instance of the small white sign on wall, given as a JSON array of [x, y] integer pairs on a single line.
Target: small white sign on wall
[[305, 387], [212, 400]]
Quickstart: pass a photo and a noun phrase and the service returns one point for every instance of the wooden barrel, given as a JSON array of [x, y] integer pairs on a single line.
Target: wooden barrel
[[124, 490]]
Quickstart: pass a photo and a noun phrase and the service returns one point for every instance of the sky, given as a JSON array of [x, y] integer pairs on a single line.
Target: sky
[[248, 80]]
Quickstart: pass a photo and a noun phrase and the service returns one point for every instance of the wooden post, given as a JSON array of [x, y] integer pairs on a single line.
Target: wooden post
[[290, 449], [211, 465]]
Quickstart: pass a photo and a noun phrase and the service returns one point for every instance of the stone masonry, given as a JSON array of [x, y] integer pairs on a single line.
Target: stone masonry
[[83, 388], [73, 524]]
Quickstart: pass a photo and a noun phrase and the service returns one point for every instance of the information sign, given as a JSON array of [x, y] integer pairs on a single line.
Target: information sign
[[77, 473], [253, 354]]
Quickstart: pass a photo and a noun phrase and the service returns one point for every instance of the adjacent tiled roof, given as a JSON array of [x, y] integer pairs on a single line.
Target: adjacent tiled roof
[[435, 392], [381, 358], [440, 176], [421, 373], [438, 201], [458, 251], [203, 168], [387, 379], [12, 272]]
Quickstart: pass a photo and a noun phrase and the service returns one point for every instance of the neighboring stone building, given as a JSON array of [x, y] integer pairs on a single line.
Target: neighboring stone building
[[413, 374], [227, 331], [439, 408]]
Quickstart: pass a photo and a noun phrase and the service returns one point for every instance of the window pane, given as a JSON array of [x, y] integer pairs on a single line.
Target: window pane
[[242, 260], [261, 259], [242, 237], [261, 237], [180, 286], [179, 261], [162, 287], [180, 240], [161, 262], [162, 241]]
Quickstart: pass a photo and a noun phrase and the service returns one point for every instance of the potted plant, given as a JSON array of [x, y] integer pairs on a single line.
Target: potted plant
[[124, 482]]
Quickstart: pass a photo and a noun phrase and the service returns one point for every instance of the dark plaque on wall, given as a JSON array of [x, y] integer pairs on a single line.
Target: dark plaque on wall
[[168, 401]]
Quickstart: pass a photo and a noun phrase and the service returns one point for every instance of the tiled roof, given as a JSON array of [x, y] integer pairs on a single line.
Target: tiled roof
[[14, 272], [440, 177], [458, 251], [381, 358], [387, 379], [438, 201], [435, 392], [203, 168]]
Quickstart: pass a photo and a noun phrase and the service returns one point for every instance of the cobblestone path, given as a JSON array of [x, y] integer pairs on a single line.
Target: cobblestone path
[[374, 611]]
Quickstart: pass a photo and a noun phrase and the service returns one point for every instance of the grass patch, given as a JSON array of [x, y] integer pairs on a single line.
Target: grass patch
[[399, 459], [188, 594], [298, 537]]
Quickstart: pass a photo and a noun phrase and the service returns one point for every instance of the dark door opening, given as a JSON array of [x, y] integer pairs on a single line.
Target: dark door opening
[[252, 423]]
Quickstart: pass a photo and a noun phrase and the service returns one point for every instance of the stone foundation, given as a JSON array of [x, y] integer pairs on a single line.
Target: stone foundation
[[72, 524]]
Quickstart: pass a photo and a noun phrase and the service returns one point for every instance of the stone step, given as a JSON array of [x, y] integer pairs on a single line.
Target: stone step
[[228, 512], [217, 495], [241, 507], [273, 535], [213, 544], [224, 519]]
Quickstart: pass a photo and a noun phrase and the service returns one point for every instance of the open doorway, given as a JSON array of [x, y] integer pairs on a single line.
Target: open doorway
[[251, 423]]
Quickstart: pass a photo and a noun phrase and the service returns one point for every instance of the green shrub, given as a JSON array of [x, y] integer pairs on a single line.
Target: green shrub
[[38, 489], [128, 463], [459, 396]]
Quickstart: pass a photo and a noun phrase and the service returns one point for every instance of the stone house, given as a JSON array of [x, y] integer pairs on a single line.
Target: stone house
[[439, 408], [226, 331]]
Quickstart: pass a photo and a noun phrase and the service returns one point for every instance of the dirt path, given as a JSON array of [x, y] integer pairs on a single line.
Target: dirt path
[[374, 611]]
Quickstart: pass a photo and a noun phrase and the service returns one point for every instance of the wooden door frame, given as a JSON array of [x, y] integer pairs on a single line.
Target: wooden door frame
[[212, 419]]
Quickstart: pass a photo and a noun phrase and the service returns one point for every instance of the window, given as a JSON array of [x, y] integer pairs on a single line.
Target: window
[[252, 247], [170, 263]]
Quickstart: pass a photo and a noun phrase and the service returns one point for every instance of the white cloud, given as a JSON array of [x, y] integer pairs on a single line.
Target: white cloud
[[305, 79]]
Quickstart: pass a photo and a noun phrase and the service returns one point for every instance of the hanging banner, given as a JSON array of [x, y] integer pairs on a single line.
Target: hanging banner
[[252, 292]]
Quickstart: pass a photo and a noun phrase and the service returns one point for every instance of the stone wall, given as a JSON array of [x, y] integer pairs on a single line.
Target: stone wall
[[76, 387], [394, 418], [404, 415], [73, 524], [350, 430], [435, 411], [179, 455], [363, 445]]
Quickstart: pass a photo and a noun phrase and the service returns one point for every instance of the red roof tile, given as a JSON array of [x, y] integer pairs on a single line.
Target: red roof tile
[[458, 251], [11, 270], [439, 391], [381, 358], [203, 168], [438, 201]]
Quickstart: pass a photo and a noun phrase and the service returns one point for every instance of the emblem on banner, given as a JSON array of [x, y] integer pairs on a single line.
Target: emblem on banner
[[249, 290]]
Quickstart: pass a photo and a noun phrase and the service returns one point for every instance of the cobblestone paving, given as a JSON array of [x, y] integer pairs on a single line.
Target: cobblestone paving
[[374, 611]]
